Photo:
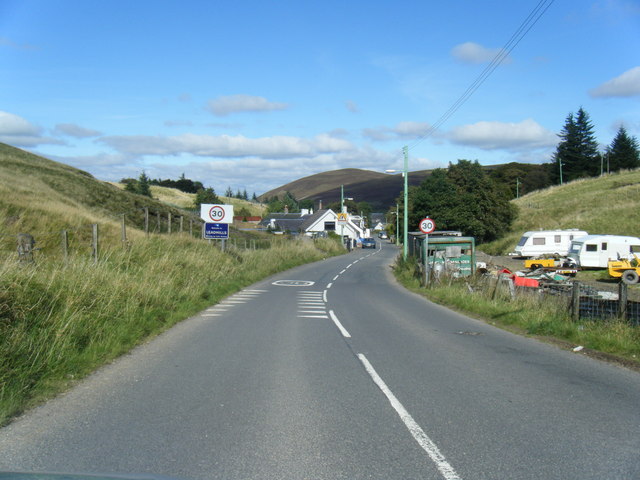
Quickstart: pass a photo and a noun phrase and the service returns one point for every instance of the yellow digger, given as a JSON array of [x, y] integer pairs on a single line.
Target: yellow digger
[[626, 269]]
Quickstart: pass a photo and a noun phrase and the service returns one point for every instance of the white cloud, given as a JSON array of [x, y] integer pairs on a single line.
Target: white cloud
[[470, 52], [73, 130], [226, 145], [625, 85], [402, 130], [19, 132], [273, 172], [525, 135], [226, 105]]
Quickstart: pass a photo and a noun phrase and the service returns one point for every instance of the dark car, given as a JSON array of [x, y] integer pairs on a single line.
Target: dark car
[[368, 243]]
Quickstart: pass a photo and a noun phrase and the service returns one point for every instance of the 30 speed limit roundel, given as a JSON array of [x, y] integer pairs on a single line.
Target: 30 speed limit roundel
[[216, 213], [427, 225]]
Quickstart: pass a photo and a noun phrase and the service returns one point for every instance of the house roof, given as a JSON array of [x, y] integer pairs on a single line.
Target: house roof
[[280, 216], [313, 218]]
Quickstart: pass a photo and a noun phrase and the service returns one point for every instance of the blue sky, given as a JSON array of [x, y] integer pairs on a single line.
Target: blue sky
[[255, 94]]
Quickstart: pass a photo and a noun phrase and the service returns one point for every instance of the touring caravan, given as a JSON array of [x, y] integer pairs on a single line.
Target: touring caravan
[[595, 251], [533, 244]]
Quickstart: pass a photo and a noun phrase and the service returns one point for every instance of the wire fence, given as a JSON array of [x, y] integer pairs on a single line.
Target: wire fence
[[89, 239], [583, 302]]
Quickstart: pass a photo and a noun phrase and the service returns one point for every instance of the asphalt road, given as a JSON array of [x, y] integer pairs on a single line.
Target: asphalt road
[[332, 371]]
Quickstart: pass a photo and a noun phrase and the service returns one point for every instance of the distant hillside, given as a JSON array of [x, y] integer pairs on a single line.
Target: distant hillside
[[603, 205], [43, 197], [378, 189], [180, 199]]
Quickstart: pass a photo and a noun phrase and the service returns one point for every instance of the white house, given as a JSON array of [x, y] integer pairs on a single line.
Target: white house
[[327, 221]]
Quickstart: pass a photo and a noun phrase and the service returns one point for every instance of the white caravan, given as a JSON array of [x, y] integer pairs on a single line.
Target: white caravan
[[596, 250], [533, 244]]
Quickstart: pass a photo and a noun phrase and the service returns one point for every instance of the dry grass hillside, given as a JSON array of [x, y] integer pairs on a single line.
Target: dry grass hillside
[[42, 197], [603, 205], [183, 200]]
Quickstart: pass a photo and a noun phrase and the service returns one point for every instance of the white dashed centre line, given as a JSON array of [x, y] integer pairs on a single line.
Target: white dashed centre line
[[416, 431]]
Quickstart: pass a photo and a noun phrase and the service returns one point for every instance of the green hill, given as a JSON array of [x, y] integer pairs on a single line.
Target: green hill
[[380, 190], [603, 205], [42, 197]]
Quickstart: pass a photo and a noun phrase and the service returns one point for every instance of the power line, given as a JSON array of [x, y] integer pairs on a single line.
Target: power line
[[524, 28]]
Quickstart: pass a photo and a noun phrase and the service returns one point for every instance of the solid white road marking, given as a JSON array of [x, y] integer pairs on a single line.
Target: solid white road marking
[[324, 296], [343, 330], [312, 316], [416, 431], [329, 286]]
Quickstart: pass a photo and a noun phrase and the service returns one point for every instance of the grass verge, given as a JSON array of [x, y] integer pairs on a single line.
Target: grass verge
[[544, 317], [60, 322]]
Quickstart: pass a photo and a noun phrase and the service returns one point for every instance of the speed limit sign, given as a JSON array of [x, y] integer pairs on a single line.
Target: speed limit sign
[[427, 225], [216, 213]]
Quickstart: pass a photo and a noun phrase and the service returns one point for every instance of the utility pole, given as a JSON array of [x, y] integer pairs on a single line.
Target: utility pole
[[397, 225], [517, 187], [405, 150], [560, 164]]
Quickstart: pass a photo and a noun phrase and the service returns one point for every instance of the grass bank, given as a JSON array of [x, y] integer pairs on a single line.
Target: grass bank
[[607, 204], [58, 322], [543, 317]]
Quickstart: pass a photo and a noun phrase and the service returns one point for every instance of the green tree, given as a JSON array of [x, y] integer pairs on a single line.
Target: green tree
[[244, 213], [576, 155], [290, 201], [306, 203], [228, 193], [275, 206], [518, 179], [143, 186], [463, 197], [623, 153], [206, 196], [130, 185]]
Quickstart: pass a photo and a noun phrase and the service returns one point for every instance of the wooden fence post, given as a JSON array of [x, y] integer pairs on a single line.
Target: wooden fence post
[[95, 242], [622, 300], [124, 231], [26, 243], [158, 219], [181, 222], [146, 221], [169, 222], [65, 245], [575, 302], [191, 227]]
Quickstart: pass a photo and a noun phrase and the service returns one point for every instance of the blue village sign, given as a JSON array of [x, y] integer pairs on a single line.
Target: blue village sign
[[216, 231]]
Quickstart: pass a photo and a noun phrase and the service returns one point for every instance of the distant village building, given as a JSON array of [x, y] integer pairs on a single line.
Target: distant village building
[[306, 223]]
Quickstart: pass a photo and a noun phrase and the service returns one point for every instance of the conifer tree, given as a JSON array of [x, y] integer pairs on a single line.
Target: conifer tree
[[143, 185], [577, 154], [623, 153]]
